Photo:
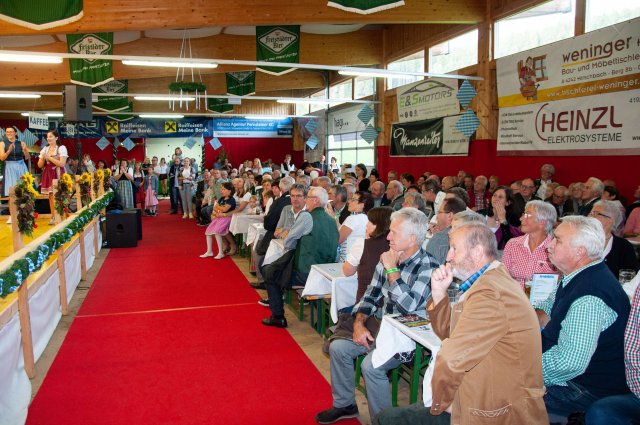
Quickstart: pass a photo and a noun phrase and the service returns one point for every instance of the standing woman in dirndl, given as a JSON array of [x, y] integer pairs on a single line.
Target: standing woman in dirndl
[[52, 160], [13, 152]]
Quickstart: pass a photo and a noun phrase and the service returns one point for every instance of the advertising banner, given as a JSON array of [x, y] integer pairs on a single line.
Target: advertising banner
[[277, 44], [346, 120], [41, 14], [579, 96], [437, 137], [246, 128], [241, 83], [112, 103], [364, 7], [90, 72], [427, 99]]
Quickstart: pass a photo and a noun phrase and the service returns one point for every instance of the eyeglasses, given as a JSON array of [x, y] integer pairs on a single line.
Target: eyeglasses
[[598, 214], [527, 187], [311, 196], [526, 215]]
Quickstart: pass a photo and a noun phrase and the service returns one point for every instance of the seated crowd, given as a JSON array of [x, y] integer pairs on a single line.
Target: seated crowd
[[413, 241]]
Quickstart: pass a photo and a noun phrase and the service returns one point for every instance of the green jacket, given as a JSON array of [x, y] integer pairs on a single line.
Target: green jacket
[[320, 246]]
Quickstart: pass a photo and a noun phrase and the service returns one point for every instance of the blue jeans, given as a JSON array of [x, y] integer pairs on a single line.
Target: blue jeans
[[615, 410], [174, 193], [563, 401]]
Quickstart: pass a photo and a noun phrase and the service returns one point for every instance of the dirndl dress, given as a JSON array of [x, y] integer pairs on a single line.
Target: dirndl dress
[[218, 226], [13, 170], [50, 173], [150, 199], [125, 191], [140, 193]]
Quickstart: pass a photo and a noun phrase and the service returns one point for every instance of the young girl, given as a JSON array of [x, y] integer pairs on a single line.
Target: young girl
[[138, 179], [220, 222], [186, 178], [162, 171], [150, 191], [254, 208], [52, 160]]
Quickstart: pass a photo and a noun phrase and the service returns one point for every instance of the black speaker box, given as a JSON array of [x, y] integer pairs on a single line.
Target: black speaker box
[[122, 230], [138, 213], [77, 103]]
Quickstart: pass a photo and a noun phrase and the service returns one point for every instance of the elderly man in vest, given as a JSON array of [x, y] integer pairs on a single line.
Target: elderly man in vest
[[317, 243], [489, 367], [402, 280], [583, 321]]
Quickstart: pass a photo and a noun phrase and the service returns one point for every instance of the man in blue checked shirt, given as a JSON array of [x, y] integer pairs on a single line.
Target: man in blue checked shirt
[[402, 280], [583, 321]]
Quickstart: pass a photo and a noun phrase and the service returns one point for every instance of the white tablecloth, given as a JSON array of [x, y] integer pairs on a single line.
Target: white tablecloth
[[275, 251], [254, 233], [328, 279], [240, 222], [394, 337]]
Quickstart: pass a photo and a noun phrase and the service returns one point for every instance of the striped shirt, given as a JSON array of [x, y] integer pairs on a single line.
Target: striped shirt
[[586, 319], [632, 346], [408, 294]]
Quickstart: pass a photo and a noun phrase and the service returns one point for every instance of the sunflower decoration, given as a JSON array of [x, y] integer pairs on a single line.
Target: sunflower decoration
[[86, 181], [107, 179], [63, 195], [25, 204], [98, 180]]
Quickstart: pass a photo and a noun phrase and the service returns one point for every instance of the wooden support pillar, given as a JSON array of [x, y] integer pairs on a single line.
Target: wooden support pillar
[[18, 243], [486, 100], [62, 277], [78, 195], [25, 330], [96, 229], [83, 256], [57, 219]]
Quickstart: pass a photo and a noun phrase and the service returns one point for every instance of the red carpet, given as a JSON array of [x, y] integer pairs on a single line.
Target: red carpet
[[165, 337]]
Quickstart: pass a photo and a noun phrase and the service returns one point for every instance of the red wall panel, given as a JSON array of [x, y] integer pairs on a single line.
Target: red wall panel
[[483, 159], [239, 150]]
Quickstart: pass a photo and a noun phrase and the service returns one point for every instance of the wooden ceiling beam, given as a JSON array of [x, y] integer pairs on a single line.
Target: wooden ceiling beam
[[356, 48], [127, 15]]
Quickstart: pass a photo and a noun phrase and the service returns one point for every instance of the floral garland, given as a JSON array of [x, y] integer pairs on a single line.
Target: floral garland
[[11, 278], [98, 180], [86, 181], [63, 195], [107, 179], [25, 204]]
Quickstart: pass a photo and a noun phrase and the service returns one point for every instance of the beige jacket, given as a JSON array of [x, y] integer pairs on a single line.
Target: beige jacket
[[490, 366]]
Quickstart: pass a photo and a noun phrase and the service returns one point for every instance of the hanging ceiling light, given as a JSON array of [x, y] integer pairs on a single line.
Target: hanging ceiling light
[[171, 64]]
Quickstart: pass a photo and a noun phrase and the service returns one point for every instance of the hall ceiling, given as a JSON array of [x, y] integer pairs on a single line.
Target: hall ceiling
[[219, 30]]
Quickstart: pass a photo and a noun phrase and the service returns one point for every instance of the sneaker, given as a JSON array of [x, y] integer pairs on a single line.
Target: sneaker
[[184, 216], [335, 414], [264, 302], [190, 215]]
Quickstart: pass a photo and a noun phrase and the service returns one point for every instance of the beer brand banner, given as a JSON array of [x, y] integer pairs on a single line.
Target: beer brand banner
[[112, 103], [241, 83], [427, 99], [365, 7], [40, 14], [437, 137], [277, 44], [578, 96], [219, 105], [90, 72]]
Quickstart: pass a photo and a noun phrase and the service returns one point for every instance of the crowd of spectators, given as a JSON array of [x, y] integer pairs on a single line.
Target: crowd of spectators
[[410, 240]]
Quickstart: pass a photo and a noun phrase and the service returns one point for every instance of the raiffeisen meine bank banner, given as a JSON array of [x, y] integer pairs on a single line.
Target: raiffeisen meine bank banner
[[578, 96]]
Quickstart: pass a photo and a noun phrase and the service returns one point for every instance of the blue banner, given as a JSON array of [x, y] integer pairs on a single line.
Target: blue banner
[[184, 127], [245, 128]]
